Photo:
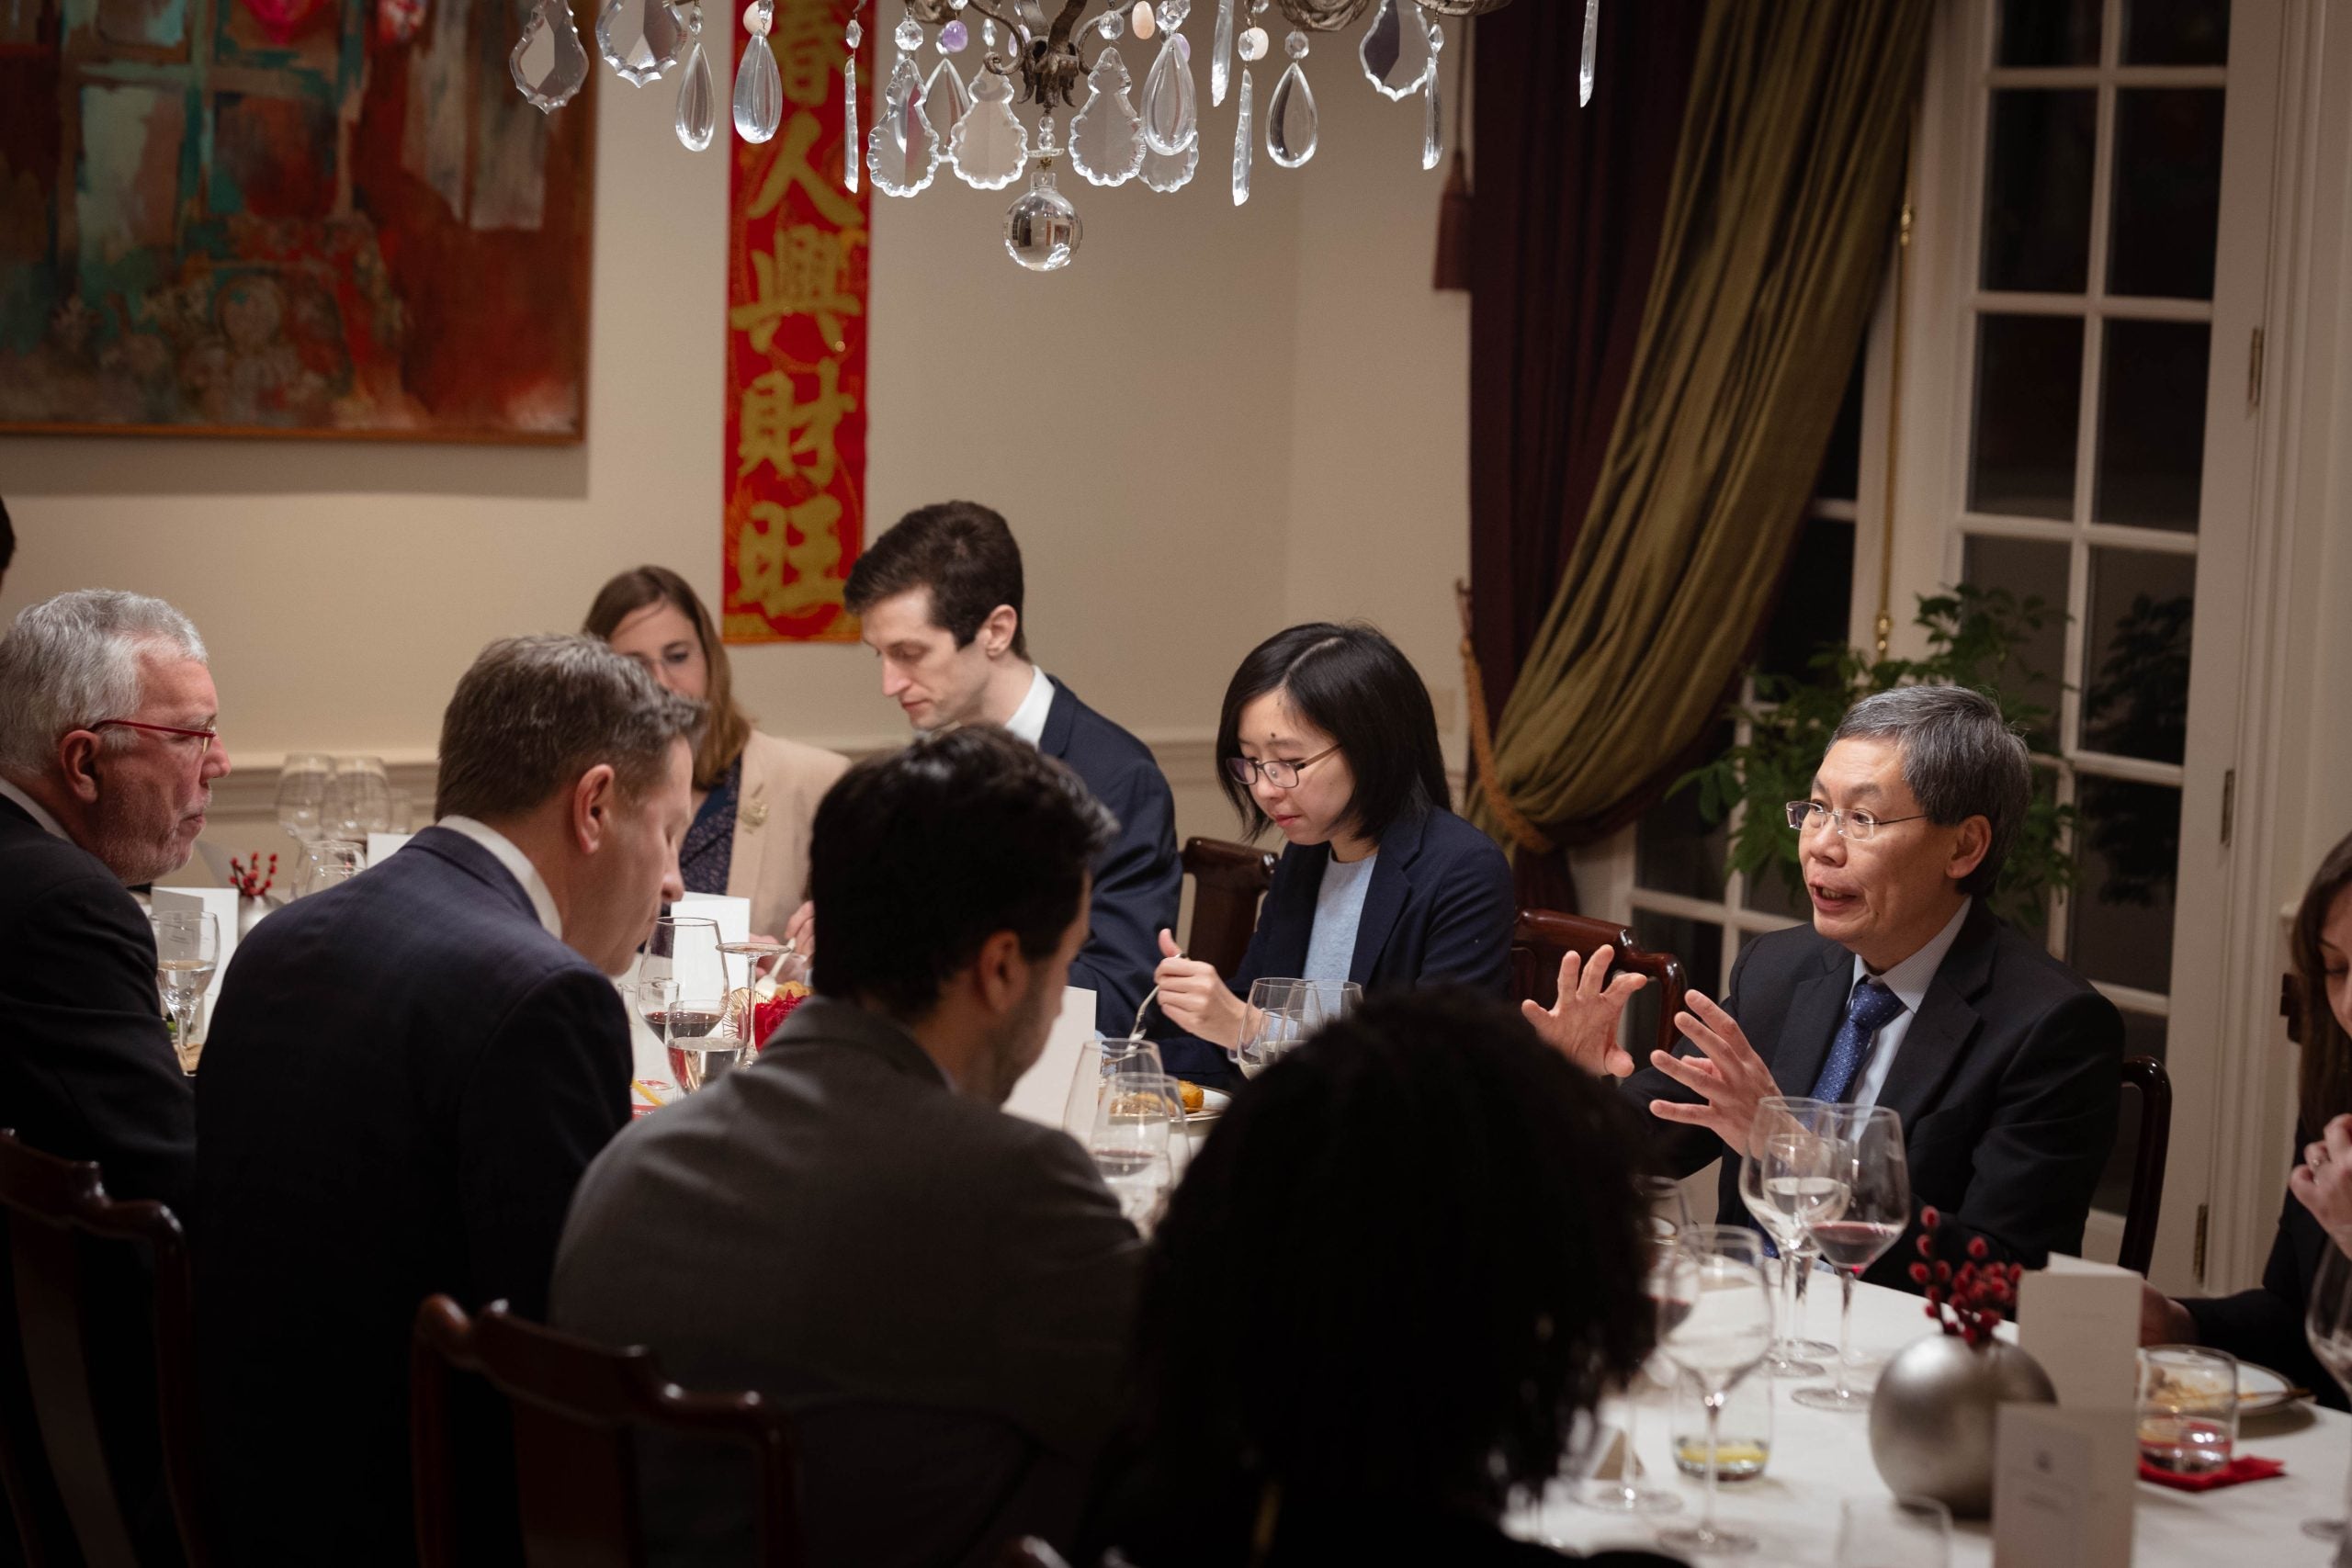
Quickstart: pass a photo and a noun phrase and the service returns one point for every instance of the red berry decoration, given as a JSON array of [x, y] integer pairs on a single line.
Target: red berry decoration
[[1969, 1301]]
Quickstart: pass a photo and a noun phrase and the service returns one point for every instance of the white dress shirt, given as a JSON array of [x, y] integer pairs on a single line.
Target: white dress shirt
[[519, 865], [34, 809], [1028, 720], [1909, 981]]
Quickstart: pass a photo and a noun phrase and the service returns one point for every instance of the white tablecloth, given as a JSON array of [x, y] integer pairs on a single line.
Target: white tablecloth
[[1819, 1458]]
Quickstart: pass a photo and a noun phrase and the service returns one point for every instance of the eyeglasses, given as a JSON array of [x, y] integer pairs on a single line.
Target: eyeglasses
[[206, 736], [1853, 826], [1275, 771]]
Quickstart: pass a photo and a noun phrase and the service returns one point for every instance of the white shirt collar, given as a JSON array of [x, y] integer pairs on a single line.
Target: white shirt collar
[[1028, 720], [1909, 979], [36, 810], [519, 865]]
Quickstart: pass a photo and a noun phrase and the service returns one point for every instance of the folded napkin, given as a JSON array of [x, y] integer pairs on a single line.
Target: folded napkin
[[2245, 1467]]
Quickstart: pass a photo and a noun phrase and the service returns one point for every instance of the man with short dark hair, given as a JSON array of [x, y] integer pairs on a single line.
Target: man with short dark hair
[[1907, 992], [939, 1292], [407, 1074], [940, 597], [107, 758]]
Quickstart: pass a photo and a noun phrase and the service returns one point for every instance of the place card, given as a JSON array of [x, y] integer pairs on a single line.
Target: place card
[[382, 847], [1044, 1089], [2081, 1321], [733, 915], [2064, 1482], [220, 903]]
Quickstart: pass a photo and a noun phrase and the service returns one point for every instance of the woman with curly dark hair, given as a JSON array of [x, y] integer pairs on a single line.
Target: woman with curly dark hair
[[1407, 1264]]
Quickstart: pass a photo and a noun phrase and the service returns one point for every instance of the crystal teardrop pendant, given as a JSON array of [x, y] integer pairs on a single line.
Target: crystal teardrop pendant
[[990, 146], [1171, 114], [1043, 230], [1398, 53], [697, 102], [549, 64], [1221, 55], [902, 150], [1245, 140], [1432, 125], [1591, 51], [1292, 125], [945, 99], [1106, 140], [759, 92], [639, 49]]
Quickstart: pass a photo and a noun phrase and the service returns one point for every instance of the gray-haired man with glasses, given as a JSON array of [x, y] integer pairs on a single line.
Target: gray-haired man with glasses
[[108, 756], [1907, 992]]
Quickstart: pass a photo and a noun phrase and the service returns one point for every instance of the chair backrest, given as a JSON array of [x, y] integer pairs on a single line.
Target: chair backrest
[[574, 1404], [1228, 881], [1542, 936], [56, 1464], [2146, 1203]]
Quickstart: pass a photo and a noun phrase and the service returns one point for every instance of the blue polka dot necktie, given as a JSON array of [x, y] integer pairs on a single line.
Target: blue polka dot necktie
[[1870, 1008]]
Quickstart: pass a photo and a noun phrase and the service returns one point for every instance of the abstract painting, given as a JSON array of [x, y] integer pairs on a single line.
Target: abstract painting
[[288, 218]]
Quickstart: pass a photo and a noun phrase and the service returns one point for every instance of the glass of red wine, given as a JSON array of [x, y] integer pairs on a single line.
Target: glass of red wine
[[1867, 1158]]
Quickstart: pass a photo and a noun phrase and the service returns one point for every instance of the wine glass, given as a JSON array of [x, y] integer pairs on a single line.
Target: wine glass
[[1280, 1014], [302, 794], [1333, 999], [1670, 1216], [1714, 1323], [2327, 1324], [1100, 1059], [1866, 1156], [187, 949], [699, 1024], [1785, 1181], [359, 799], [1130, 1136], [326, 862]]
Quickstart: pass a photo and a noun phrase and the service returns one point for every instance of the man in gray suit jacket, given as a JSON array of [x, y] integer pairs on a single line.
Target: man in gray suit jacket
[[939, 1292]]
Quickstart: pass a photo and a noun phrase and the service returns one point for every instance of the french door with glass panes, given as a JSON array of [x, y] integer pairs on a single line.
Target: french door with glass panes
[[2080, 419]]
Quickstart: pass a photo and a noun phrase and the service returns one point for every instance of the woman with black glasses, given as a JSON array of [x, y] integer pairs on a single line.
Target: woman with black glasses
[[1328, 736]]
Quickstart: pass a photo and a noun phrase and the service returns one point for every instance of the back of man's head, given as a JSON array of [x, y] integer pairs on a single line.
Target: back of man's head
[[960, 550], [536, 713], [76, 660], [919, 857]]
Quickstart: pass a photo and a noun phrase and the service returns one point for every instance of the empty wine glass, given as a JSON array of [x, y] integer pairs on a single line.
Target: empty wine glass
[[1281, 1015], [302, 780], [1714, 1322], [326, 862], [1670, 1216], [187, 949], [1785, 1182], [359, 799], [1866, 1156], [2327, 1324]]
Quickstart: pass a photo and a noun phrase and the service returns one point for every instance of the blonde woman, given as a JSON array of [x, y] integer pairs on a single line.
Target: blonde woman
[[755, 794]]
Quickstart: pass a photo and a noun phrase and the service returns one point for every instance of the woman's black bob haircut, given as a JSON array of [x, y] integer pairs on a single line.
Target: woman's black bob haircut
[[1351, 684]]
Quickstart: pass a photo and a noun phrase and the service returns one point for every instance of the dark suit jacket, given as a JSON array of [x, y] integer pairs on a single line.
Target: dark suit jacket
[[1138, 880], [2007, 1083], [87, 1069], [940, 1293], [2265, 1325], [406, 1076], [1441, 907]]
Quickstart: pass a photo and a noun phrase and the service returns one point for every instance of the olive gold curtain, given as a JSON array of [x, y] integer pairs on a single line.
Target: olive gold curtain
[[1787, 186]]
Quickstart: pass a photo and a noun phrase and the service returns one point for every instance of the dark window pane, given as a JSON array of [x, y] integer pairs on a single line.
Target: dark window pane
[[1841, 469], [2038, 189], [2152, 424], [2167, 200], [2049, 32], [2029, 569], [2029, 396], [1815, 601], [1700, 945], [2173, 32], [2144, 1036], [1674, 849], [2135, 688], [2120, 919]]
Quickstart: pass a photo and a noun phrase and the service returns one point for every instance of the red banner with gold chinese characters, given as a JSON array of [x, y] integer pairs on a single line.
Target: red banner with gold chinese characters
[[796, 345]]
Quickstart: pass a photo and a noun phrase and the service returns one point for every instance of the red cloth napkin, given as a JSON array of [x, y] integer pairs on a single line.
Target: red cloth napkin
[[2245, 1467]]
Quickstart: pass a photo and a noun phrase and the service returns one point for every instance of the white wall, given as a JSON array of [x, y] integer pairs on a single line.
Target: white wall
[[1212, 423]]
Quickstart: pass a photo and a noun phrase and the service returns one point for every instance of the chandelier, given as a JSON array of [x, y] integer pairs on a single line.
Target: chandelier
[[1032, 55]]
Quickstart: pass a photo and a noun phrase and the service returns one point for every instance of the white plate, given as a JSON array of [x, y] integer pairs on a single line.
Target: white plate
[[1212, 1104], [2261, 1391]]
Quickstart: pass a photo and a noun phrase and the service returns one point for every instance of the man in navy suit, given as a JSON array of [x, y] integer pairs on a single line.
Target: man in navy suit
[[1907, 992], [940, 596], [406, 1076]]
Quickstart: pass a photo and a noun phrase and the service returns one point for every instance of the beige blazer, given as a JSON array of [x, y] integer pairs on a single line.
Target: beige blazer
[[783, 781]]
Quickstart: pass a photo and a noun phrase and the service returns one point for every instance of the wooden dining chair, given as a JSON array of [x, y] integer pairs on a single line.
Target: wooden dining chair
[[574, 1406], [1228, 881], [1543, 936], [70, 1502], [2141, 1209]]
